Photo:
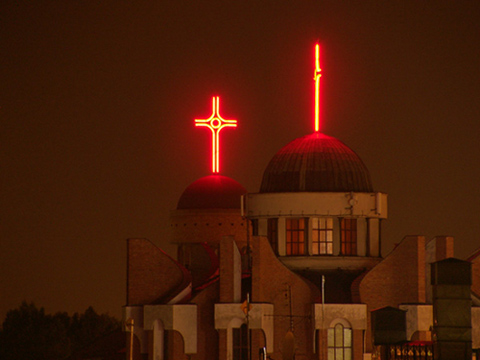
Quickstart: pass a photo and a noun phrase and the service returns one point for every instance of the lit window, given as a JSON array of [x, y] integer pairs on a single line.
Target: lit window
[[296, 235], [322, 236], [349, 236], [240, 343], [339, 343], [272, 233]]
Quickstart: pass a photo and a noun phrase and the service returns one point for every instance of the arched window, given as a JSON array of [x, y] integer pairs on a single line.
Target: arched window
[[339, 342]]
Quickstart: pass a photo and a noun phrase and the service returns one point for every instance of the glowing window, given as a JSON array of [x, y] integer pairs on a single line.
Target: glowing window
[[272, 233], [296, 234], [349, 236], [322, 236], [339, 343]]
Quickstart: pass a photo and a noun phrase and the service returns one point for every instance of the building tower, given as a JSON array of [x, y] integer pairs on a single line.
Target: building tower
[[208, 209], [318, 209]]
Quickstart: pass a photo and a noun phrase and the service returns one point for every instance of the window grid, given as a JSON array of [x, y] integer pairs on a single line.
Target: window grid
[[322, 236], [339, 343], [272, 234], [349, 236], [240, 343], [296, 235]]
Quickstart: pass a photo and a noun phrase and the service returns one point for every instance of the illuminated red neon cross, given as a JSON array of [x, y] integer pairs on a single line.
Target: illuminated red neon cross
[[316, 78], [215, 123]]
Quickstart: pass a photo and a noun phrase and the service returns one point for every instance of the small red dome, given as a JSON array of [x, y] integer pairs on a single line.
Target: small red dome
[[212, 192], [317, 163]]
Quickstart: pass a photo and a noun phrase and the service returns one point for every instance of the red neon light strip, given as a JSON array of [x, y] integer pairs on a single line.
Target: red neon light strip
[[316, 77], [215, 123]]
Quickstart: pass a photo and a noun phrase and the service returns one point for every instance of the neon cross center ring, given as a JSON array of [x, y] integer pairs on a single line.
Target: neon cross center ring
[[215, 123]]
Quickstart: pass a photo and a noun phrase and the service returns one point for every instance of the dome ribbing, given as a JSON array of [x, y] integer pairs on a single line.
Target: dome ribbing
[[316, 163]]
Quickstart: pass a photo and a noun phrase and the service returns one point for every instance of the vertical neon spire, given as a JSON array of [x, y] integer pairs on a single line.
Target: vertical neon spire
[[316, 77], [215, 123]]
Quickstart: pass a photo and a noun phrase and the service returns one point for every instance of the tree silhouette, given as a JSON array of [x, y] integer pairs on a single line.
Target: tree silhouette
[[29, 334]]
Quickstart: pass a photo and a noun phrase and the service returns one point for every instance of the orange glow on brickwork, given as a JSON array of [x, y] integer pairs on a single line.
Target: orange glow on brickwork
[[215, 123], [316, 77]]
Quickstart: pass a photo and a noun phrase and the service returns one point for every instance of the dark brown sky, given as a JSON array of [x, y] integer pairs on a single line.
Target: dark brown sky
[[98, 98]]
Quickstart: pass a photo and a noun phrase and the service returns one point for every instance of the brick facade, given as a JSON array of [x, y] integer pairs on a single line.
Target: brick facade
[[399, 278], [207, 225], [475, 260], [208, 336], [152, 275], [273, 283]]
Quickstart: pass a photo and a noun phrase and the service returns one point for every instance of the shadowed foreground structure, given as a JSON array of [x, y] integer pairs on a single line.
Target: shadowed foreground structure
[[299, 262]]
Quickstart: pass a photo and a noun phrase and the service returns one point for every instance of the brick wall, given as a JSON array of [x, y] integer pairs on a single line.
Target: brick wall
[[230, 271], [439, 248], [173, 346], [475, 260], [207, 335], [270, 283], [222, 344], [205, 225], [151, 273], [399, 278]]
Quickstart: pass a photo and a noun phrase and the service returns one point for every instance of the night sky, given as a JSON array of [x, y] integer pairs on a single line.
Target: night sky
[[98, 101]]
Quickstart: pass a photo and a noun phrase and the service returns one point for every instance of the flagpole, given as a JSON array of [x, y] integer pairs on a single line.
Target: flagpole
[[249, 348], [323, 316]]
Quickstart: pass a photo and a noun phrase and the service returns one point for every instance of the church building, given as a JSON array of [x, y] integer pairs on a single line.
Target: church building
[[296, 271]]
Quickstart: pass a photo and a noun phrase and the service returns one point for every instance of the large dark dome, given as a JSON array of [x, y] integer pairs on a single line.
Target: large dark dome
[[212, 192], [317, 163]]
